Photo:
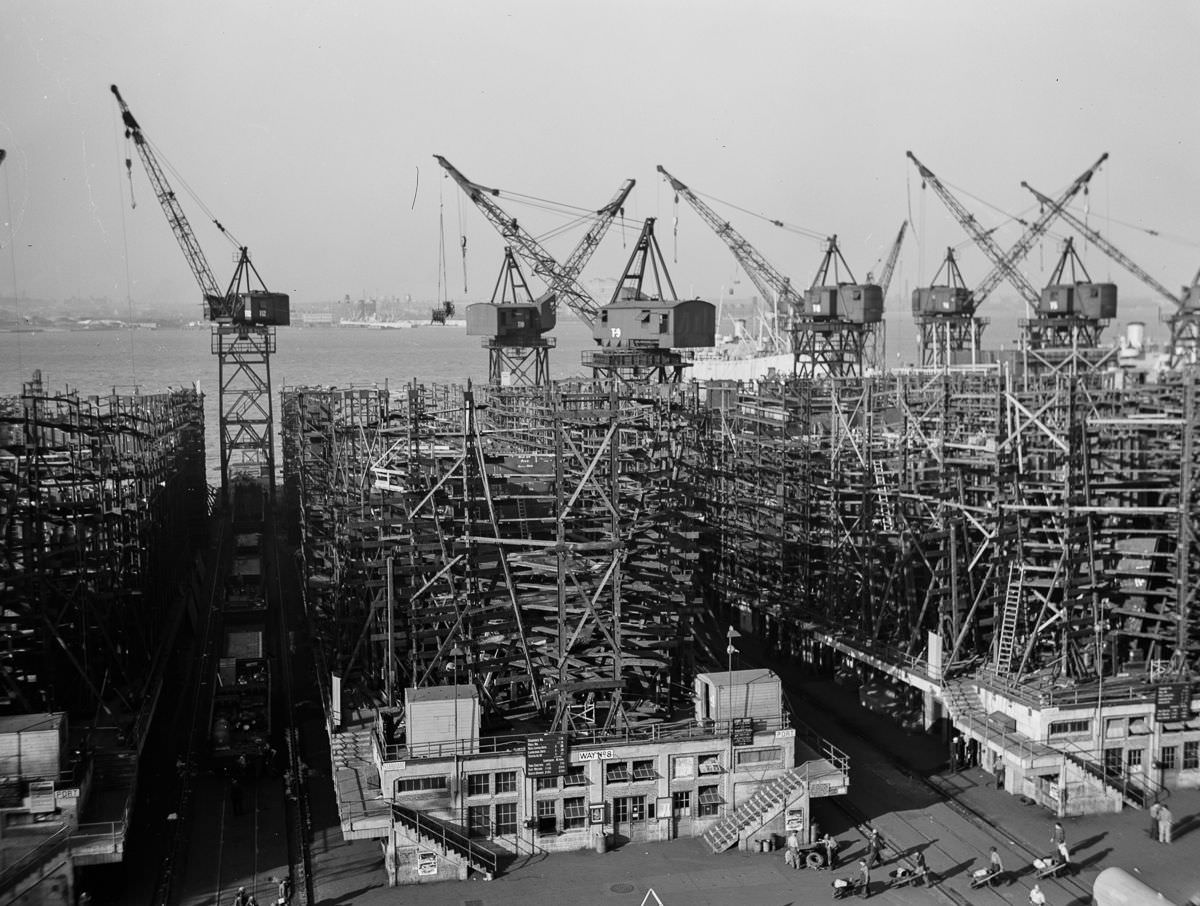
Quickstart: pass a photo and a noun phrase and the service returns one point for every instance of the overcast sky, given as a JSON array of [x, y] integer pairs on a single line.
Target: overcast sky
[[304, 126]]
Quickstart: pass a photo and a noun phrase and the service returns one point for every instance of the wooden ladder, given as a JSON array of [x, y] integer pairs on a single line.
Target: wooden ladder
[[881, 490], [1008, 620]]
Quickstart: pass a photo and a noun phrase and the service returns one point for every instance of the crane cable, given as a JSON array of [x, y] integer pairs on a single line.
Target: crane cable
[[818, 236]]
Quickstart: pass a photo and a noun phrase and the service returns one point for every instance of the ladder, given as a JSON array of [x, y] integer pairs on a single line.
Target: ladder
[[1008, 619], [885, 507]]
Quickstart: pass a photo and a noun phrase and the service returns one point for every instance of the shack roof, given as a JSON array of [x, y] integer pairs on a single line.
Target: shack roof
[[26, 723], [440, 693], [721, 678]]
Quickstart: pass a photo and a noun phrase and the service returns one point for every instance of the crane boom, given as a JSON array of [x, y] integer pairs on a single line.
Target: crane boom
[[1004, 263], [214, 300], [769, 281], [1104, 245], [889, 267], [562, 282]]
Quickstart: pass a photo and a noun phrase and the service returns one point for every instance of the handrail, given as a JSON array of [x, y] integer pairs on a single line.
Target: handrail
[[491, 745], [449, 839]]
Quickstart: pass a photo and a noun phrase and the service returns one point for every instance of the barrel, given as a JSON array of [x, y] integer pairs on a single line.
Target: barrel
[[1117, 887], [601, 843]]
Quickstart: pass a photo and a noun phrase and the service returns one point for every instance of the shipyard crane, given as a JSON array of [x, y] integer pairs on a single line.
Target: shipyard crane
[[243, 331], [774, 286], [1183, 321], [945, 316], [561, 279], [1004, 264]]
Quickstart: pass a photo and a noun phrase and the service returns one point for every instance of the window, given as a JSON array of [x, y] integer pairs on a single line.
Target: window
[[574, 813], [709, 801], [1191, 754], [664, 321], [546, 783], [1168, 757], [616, 772], [1139, 726], [1070, 727], [709, 764], [420, 784], [477, 784], [506, 818], [644, 770], [683, 767], [576, 777], [1133, 759], [1114, 728], [681, 804], [506, 782], [478, 820], [547, 817], [760, 756]]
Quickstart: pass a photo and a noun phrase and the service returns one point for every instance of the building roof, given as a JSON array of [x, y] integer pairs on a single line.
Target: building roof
[[721, 678], [440, 693], [25, 723]]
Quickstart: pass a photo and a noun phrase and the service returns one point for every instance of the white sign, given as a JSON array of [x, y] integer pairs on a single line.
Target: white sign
[[427, 863], [66, 794], [594, 755], [786, 734]]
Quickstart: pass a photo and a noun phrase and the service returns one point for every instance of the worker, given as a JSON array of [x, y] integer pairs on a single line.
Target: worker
[[1036, 897], [1154, 810], [1165, 824], [1058, 836], [285, 891], [919, 867], [995, 866], [241, 899], [874, 845], [864, 878], [831, 849]]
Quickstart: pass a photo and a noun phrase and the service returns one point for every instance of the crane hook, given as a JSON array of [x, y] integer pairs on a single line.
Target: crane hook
[[129, 173]]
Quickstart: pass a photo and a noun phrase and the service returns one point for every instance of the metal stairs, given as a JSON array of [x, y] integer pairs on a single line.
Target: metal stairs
[[447, 840], [1131, 793], [767, 802], [886, 522], [1007, 638]]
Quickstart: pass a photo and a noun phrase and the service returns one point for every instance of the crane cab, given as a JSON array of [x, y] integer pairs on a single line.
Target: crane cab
[[859, 303], [942, 300], [260, 309], [1093, 301], [510, 324], [656, 324]]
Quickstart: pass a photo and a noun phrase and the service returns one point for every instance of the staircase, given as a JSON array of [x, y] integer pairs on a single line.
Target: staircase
[[886, 522], [447, 840], [1008, 620], [1130, 792], [767, 802]]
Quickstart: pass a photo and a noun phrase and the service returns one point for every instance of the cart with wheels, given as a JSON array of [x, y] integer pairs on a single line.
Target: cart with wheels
[[982, 877], [1050, 867], [904, 877]]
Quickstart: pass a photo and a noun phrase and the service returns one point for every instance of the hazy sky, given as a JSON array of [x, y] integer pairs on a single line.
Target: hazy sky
[[303, 126]]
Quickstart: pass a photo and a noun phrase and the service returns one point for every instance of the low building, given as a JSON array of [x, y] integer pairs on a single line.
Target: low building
[[736, 771]]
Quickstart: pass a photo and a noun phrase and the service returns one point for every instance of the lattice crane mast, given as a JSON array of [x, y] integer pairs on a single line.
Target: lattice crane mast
[[243, 330], [774, 286], [889, 266], [560, 278]]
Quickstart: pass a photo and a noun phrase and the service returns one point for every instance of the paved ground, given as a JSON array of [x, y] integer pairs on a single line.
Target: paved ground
[[909, 814]]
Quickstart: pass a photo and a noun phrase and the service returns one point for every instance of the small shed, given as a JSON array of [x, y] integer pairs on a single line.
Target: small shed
[[441, 714], [33, 745], [860, 303], [656, 324], [722, 695]]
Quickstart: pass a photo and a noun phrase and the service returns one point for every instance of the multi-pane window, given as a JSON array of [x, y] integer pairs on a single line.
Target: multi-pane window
[[681, 803], [576, 777], [506, 782], [709, 764], [1167, 757], [644, 770], [709, 801], [506, 818], [1133, 759], [616, 771], [1191, 754], [547, 822], [478, 784], [420, 784], [574, 813], [478, 824], [546, 783], [1070, 727], [773, 755]]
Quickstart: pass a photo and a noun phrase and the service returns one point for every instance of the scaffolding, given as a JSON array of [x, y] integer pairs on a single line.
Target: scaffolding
[[102, 503]]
